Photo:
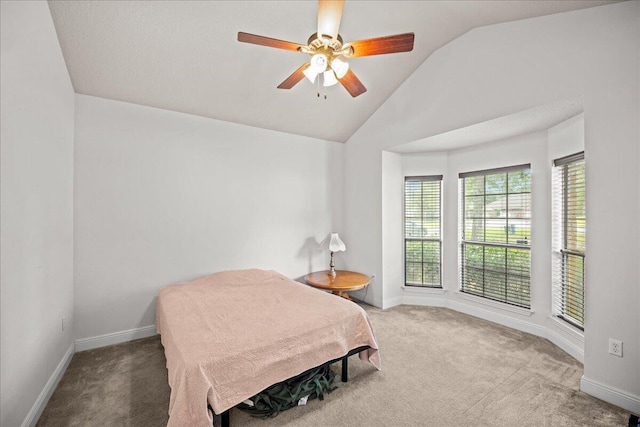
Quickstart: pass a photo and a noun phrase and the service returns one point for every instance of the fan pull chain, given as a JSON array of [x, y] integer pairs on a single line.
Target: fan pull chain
[[324, 90]]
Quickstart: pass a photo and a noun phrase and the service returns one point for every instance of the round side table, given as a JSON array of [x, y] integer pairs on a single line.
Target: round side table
[[343, 282]]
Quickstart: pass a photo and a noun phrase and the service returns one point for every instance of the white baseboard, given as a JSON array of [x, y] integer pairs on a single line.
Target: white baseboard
[[424, 301], [501, 319], [115, 338], [80, 345], [614, 396], [391, 302], [568, 341], [565, 337], [418, 296], [474, 310], [49, 387], [514, 317], [567, 346]]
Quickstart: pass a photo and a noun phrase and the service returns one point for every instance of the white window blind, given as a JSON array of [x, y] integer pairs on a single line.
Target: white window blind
[[495, 234], [569, 238], [422, 230]]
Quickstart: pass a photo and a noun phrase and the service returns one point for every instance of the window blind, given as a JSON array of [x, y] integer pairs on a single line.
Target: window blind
[[569, 238], [495, 234], [422, 230]]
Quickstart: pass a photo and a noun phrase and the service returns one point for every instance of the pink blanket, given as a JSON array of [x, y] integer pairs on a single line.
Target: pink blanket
[[232, 334]]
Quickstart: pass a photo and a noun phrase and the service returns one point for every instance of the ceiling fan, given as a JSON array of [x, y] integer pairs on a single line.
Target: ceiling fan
[[326, 47]]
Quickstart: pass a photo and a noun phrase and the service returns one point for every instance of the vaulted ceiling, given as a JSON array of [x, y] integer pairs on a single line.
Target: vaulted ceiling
[[184, 55]]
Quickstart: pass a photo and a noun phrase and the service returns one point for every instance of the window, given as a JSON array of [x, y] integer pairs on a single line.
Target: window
[[422, 231], [495, 231], [569, 234]]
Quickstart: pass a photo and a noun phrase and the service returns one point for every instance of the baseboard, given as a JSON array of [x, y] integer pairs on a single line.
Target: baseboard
[[477, 309], [115, 338], [562, 336], [49, 387], [567, 346], [424, 301], [391, 302], [614, 396], [501, 319]]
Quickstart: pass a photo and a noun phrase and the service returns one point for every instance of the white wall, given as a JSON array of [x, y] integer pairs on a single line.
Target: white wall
[[163, 197], [531, 149], [392, 221], [524, 149], [363, 221], [502, 69], [564, 139], [392, 227], [36, 218]]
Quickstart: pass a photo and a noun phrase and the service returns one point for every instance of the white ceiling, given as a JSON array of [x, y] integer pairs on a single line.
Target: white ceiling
[[522, 122], [184, 56]]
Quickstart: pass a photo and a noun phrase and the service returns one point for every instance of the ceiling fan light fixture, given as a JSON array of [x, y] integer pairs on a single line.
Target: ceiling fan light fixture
[[318, 63], [310, 74], [340, 67], [326, 45], [329, 78]]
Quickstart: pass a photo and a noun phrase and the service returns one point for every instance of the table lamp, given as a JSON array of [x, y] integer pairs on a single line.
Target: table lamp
[[335, 245]]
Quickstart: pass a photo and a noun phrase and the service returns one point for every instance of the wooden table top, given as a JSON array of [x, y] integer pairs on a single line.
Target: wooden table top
[[343, 280]]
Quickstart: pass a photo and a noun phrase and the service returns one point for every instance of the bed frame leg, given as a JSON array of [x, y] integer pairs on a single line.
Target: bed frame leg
[[345, 369], [225, 418]]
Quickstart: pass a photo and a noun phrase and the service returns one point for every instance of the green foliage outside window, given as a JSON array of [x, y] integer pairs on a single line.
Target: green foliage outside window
[[496, 230], [422, 224]]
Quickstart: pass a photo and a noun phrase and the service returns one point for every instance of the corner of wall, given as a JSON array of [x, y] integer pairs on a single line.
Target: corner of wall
[[44, 396]]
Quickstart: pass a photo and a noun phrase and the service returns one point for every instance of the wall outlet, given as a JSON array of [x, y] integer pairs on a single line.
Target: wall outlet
[[615, 347], [63, 324]]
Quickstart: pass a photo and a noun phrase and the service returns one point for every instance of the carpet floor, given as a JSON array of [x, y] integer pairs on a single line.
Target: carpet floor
[[439, 368]]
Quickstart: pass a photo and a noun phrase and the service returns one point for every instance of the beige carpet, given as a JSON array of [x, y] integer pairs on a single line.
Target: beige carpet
[[440, 368]]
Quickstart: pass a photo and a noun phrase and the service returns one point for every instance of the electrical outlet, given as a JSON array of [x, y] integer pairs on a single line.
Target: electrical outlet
[[615, 347]]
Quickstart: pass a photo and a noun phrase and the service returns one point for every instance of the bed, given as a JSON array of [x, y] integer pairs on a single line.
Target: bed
[[232, 334]]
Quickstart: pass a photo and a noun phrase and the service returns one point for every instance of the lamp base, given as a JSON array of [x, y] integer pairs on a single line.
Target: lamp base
[[332, 269]]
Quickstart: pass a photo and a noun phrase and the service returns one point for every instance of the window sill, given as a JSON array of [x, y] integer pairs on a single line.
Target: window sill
[[424, 290], [495, 304]]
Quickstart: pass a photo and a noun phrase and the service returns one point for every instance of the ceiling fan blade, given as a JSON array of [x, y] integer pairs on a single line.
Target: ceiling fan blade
[[267, 41], [294, 78], [381, 45], [352, 84], [329, 16]]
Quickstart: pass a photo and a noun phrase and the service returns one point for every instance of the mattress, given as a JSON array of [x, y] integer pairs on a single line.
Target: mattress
[[232, 334]]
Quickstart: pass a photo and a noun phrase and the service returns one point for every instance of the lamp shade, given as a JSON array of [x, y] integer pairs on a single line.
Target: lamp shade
[[318, 63], [335, 244], [310, 74], [329, 78], [340, 67]]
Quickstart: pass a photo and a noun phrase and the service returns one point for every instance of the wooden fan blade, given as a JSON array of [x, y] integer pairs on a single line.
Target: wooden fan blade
[[294, 78], [382, 45], [267, 41], [352, 84], [329, 16]]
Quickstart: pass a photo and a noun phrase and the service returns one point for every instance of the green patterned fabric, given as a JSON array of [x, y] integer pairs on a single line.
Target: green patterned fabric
[[285, 395]]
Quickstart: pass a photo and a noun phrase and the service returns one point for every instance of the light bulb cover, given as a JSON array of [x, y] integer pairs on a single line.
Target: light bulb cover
[[318, 63], [310, 74], [329, 78], [340, 67]]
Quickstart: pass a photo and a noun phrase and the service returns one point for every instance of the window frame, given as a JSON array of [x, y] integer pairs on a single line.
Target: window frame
[[406, 239], [561, 251], [488, 289]]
